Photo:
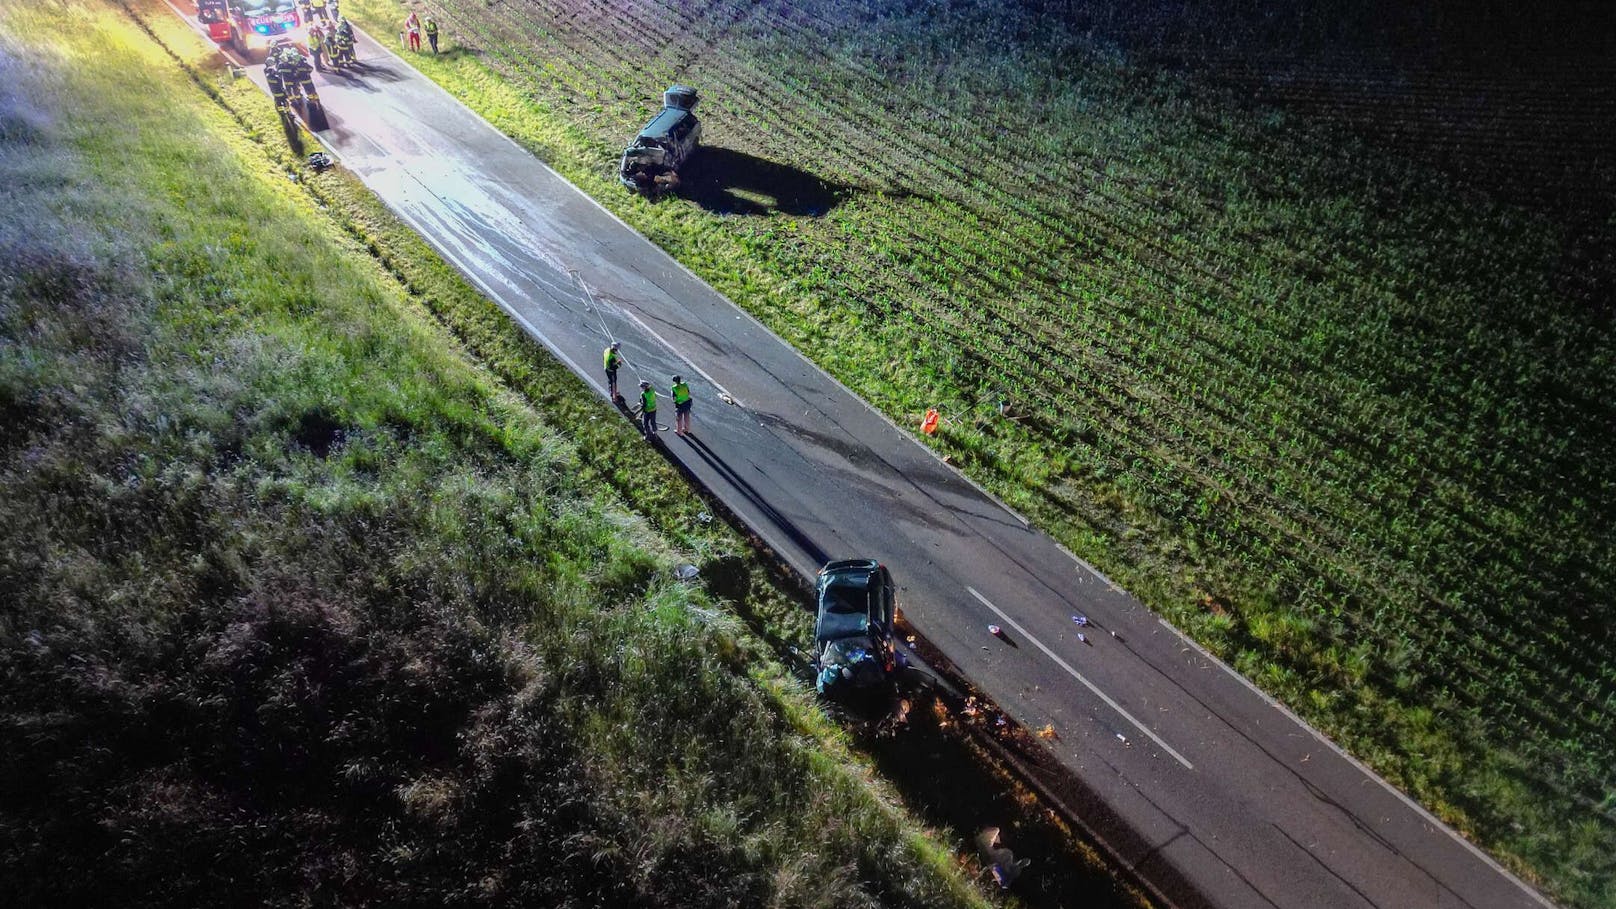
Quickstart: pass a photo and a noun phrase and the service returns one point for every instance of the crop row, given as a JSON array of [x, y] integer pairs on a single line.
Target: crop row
[[749, 91], [1323, 401]]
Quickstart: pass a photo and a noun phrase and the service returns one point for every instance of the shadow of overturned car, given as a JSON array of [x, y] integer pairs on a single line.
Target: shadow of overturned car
[[731, 182]]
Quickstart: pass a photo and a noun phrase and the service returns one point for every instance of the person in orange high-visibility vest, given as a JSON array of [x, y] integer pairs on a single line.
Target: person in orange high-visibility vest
[[681, 406]]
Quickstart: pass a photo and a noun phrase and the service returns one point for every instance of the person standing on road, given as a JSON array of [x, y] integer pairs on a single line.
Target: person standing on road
[[272, 78], [342, 44], [318, 7], [432, 33], [412, 31], [681, 406], [316, 46], [613, 361], [648, 410]]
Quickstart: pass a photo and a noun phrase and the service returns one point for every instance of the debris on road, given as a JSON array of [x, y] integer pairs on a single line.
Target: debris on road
[[1048, 732], [1081, 621]]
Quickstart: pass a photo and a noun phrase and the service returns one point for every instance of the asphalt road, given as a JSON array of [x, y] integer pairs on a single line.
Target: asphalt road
[[1212, 792]]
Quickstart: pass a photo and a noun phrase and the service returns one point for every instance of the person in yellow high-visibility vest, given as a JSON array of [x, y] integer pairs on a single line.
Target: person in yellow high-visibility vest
[[648, 410], [613, 360], [318, 7], [681, 406], [316, 46]]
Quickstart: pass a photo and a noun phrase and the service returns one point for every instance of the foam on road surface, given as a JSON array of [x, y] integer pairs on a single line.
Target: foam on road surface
[[1212, 792]]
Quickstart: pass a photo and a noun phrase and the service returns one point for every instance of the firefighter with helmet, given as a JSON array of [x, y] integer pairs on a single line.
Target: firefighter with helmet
[[294, 70], [272, 76], [342, 44]]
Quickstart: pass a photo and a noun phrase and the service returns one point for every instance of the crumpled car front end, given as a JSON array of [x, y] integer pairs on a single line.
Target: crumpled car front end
[[642, 167], [851, 664]]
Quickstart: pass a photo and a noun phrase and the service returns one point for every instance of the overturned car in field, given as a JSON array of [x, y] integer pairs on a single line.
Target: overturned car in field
[[853, 639], [651, 163]]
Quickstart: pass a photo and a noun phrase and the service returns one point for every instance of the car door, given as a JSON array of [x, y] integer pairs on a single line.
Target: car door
[[889, 599]]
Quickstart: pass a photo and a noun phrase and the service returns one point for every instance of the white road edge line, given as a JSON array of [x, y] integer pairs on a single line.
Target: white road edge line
[[739, 310], [930, 452], [1086, 566], [1419, 809], [492, 294], [675, 352], [1079, 676]]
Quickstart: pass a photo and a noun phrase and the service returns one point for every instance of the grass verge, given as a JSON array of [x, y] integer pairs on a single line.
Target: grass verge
[[304, 606], [1338, 416], [932, 760]]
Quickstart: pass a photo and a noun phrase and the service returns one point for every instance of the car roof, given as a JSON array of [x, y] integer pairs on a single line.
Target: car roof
[[665, 122], [833, 626], [845, 597]]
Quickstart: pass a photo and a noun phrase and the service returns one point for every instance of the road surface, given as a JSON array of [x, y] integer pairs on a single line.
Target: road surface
[[1212, 793]]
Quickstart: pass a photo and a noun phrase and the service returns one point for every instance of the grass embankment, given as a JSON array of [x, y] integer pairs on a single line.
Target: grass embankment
[[301, 606], [1343, 418], [941, 765]]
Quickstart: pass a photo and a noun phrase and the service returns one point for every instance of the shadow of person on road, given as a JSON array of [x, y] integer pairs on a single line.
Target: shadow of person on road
[[770, 514], [365, 72], [294, 134], [731, 182]]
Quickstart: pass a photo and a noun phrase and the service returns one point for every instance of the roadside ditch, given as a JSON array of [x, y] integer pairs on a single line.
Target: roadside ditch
[[958, 762]]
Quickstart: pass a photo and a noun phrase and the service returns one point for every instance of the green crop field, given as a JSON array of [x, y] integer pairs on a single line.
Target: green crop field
[[303, 606], [1294, 366]]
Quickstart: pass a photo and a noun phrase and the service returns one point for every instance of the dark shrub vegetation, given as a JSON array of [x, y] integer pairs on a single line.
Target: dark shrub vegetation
[[300, 607]]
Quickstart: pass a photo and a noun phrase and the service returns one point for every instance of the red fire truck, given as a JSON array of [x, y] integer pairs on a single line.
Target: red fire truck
[[248, 24]]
